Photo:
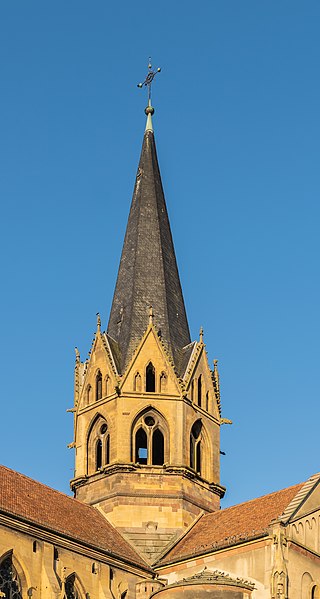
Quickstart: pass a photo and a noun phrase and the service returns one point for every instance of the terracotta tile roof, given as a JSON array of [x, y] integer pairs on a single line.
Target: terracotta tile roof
[[232, 525], [32, 501]]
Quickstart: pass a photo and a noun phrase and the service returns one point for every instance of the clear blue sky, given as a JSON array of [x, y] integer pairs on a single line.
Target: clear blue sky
[[237, 128]]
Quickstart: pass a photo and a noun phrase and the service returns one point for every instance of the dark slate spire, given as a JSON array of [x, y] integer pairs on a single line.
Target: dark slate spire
[[148, 273]]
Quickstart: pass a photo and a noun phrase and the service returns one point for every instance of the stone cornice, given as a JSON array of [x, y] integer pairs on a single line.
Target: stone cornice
[[166, 470]]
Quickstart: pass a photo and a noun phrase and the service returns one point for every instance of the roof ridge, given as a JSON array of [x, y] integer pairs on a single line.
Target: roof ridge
[[299, 497]]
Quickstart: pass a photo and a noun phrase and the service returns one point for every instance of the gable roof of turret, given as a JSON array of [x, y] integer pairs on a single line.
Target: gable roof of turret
[[148, 273]]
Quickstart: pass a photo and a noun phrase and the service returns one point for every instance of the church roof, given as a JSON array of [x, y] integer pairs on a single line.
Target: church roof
[[148, 273], [53, 511], [233, 525]]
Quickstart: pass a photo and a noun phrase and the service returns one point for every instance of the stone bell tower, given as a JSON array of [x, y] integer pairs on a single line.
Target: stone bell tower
[[147, 404]]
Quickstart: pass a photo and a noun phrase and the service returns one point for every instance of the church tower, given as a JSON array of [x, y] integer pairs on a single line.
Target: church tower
[[147, 404]]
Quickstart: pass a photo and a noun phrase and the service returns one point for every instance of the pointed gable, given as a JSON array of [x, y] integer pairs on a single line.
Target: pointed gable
[[148, 273], [151, 350]]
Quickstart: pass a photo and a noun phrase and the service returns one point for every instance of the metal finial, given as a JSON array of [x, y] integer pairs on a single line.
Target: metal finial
[[148, 80], [201, 334], [98, 321]]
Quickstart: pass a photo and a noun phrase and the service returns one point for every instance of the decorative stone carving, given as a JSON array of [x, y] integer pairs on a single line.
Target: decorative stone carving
[[279, 579]]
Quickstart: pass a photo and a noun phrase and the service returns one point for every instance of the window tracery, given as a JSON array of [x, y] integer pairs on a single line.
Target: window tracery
[[70, 588], [150, 436], [9, 582]]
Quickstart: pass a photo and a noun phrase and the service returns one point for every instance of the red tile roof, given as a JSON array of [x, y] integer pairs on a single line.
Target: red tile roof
[[30, 500], [232, 525]]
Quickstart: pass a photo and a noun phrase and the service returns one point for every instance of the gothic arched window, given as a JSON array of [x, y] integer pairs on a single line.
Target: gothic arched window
[[207, 401], [9, 582], [98, 445], [98, 385], [195, 446], [150, 378], [199, 391], [149, 437], [70, 588]]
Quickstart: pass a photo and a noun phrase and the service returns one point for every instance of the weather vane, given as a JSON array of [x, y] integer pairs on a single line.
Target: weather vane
[[149, 78]]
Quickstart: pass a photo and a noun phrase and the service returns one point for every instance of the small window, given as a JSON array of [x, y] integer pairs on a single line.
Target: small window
[[137, 383], [34, 546], [199, 391], [315, 593], [150, 378], [107, 386], [55, 554], [98, 385], [207, 401]]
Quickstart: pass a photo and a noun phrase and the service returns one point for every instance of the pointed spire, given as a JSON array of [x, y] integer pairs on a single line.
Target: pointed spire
[[148, 273]]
